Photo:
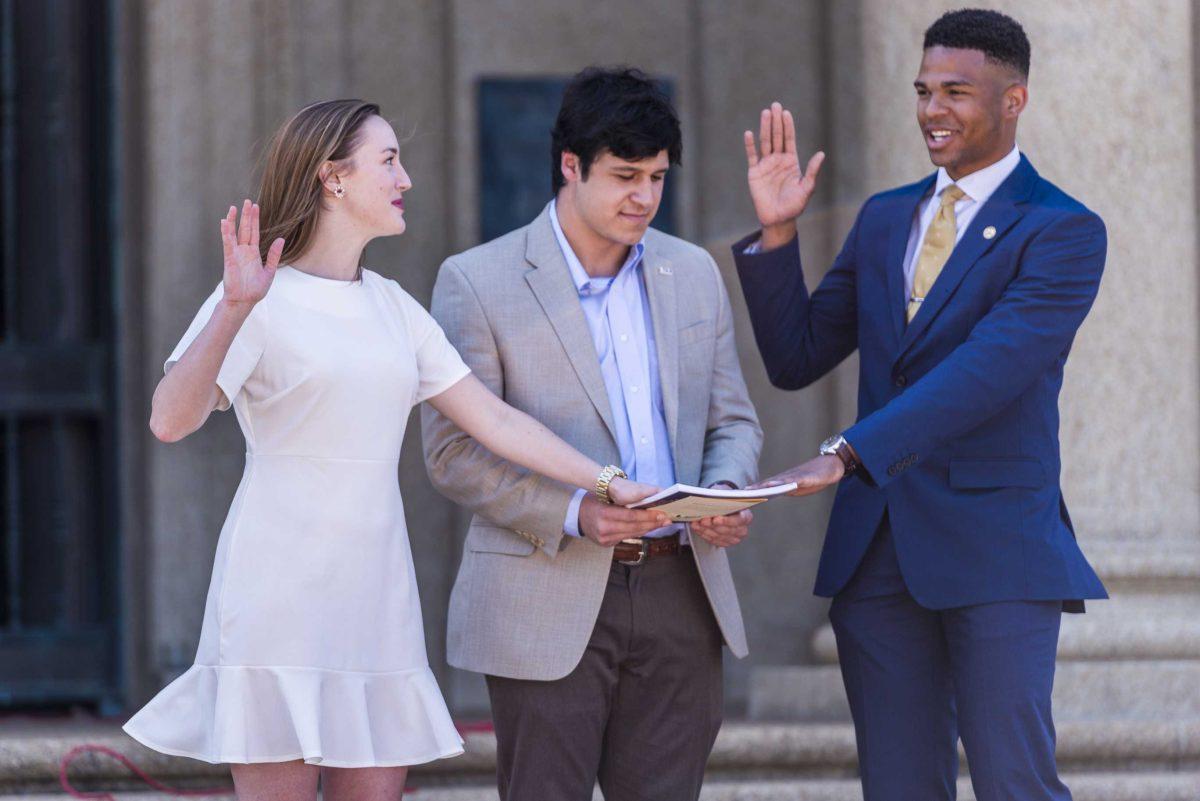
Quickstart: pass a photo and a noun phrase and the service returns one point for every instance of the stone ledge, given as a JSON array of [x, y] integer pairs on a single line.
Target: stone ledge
[[780, 750], [1084, 787], [1165, 560], [1101, 691]]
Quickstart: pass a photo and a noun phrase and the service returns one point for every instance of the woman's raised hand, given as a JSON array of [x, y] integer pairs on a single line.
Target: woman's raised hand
[[247, 278]]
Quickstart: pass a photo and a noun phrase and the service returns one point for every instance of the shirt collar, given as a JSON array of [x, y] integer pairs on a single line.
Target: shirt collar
[[584, 282], [980, 184]]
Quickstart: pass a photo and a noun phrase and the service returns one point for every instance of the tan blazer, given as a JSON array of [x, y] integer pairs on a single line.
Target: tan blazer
[[527, 595]]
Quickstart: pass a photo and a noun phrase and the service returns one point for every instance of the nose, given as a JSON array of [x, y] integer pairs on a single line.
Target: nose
[[643, 194], [403, 182], [934, 107]]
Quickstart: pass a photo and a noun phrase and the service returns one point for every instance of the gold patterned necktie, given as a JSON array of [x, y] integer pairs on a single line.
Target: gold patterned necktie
[[939, 242]]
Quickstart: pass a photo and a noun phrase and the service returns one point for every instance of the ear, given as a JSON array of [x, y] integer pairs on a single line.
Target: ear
[[571, 166], [328, 176], [1015, 99]]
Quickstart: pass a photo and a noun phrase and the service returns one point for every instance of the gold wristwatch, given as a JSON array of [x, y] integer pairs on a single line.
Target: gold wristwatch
[[605, 478]]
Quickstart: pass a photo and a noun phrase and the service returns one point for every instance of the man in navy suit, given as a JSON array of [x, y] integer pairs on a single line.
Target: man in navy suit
[[950, 555]]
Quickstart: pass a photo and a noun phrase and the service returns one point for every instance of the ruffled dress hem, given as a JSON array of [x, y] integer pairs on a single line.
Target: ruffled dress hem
[[339, 719]]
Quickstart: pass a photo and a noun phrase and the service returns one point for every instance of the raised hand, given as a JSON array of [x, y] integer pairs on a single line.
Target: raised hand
[[779, 189], [810, 477], [247, 278]]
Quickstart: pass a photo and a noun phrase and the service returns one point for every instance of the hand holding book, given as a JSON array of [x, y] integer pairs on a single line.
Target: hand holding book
[[684, 503]]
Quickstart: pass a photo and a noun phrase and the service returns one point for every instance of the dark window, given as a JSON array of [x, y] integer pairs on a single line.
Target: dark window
[[57, 453], [515, 118]]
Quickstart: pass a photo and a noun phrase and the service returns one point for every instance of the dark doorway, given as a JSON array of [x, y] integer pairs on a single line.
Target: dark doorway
[[58, 546]]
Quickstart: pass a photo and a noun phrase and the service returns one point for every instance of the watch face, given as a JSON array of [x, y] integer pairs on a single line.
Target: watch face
[[830, 445]]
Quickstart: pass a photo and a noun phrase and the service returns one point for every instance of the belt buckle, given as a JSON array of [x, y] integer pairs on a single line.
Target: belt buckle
[[643, 549]]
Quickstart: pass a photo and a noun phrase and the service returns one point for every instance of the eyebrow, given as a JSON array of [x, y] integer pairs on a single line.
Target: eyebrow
[[632, 169], [391, 150], [944, 84]]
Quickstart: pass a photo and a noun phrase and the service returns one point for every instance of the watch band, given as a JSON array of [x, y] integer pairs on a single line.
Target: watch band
[[607, 474], [844, 453], [839, 447]]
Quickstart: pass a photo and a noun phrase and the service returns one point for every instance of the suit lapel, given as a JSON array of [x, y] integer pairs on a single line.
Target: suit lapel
[[660, 287], [897, 248], [1000, 212], [552, 285]]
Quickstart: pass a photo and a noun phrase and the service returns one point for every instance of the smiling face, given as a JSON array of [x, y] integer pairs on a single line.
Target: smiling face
[[967, 108], [619, 197], [373, 182]]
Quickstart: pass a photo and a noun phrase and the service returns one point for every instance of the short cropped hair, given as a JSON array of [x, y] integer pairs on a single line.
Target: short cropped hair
[[616, 109], [1000, 37]]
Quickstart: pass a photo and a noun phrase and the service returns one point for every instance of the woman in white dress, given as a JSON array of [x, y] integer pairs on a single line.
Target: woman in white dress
[[312, 664]]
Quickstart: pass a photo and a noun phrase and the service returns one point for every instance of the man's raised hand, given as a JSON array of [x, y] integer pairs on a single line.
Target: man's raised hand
[[246, 278], [779, 189]]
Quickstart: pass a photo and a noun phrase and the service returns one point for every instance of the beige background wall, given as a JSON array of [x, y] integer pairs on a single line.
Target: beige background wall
[[1111, 120]]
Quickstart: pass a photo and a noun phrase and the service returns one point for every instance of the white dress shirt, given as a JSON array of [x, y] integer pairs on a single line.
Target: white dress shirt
[[978, 186], [617, 311]]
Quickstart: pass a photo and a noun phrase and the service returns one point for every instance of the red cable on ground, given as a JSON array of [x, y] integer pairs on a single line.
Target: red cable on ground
[[124, 760]]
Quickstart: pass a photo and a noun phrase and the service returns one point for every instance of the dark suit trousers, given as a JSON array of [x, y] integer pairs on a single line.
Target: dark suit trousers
[[919, 679], [641, 710]]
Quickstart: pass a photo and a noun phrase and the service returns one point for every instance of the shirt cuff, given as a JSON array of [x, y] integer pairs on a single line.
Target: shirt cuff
[[571, 523], [754, 247]]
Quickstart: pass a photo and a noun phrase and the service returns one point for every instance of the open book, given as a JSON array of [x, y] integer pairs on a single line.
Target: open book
[[684, 503]]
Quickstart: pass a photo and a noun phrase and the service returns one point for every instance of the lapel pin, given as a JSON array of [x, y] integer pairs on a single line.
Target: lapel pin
[[989, 232], [664, 270]]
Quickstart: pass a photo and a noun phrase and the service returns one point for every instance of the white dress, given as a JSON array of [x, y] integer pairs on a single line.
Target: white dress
[[312, 645]]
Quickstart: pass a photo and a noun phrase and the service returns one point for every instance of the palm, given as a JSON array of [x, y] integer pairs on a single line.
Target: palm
[[246, 277], [779, 189]]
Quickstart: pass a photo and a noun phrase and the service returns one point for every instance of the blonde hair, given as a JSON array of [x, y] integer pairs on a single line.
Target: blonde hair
[[290, 194]]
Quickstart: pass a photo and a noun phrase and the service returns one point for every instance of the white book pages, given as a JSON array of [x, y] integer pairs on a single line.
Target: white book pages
[[684, 503]]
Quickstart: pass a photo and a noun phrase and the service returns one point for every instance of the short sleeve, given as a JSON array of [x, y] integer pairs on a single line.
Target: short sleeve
[[244, 352], [439, 366]]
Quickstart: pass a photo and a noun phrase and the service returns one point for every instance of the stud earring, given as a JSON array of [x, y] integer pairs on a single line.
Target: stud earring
[[339, 191]]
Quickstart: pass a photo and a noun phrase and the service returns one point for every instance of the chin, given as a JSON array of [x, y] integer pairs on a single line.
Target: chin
[[941, 159]]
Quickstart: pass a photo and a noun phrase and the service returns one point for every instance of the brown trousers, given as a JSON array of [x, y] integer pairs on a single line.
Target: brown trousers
[[641, 710]]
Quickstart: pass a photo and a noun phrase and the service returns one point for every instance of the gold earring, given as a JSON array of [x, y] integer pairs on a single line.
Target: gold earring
[[339, 191]]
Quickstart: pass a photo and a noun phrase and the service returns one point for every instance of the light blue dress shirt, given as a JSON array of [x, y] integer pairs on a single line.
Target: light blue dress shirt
[[617, 311]]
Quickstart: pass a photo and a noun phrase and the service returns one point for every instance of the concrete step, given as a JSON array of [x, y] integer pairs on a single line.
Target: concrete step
[[1084, 787], [1166, 566], [1134, 690], [1107, 632], [743, 750]]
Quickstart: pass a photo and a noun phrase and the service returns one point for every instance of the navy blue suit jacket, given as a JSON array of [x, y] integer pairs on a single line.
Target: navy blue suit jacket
[[957, 411]]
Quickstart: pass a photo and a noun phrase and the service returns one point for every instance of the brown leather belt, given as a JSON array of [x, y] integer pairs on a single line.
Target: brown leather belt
[[638, 550]]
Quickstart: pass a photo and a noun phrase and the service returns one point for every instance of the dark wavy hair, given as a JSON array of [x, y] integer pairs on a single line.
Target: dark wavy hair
[[618, 109], [1000, 37]]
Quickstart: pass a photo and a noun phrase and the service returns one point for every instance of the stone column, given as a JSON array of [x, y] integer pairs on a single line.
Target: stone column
[[1111, 121]]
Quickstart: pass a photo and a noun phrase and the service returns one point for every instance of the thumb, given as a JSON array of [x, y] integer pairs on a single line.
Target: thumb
[[814, 167], [273, 255]]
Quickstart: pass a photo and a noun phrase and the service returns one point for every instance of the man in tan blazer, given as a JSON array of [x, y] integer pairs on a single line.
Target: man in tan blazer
[[598, 628]]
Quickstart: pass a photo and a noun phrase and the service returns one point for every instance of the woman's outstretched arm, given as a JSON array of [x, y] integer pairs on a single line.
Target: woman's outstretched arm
[[517, 437]]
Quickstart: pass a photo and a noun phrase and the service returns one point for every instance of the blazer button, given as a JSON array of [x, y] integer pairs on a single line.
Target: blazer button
[[902, 380]]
